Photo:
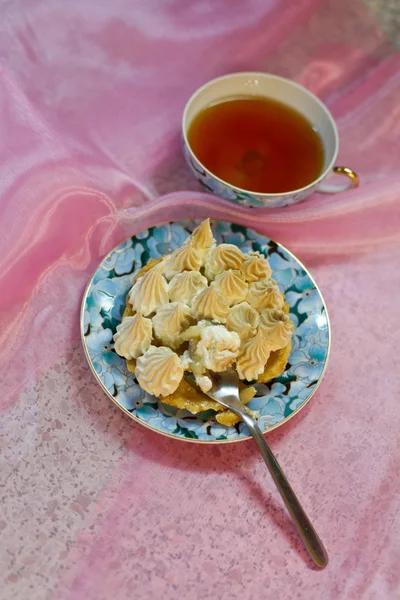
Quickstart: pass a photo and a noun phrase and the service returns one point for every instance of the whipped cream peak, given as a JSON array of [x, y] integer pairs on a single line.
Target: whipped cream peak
[[277, 328], [244, 320], [170, 321], [150, 291], [159, 371], [255, 267], [221, 258], [210, 304], [184, 286], [231, 285], [133, 336]]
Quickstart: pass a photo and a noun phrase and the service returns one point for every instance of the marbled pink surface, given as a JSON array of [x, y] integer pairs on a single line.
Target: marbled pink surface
[[93, 505]]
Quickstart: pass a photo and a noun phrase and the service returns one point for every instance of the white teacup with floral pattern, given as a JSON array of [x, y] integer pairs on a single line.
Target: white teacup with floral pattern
[[289, 93]]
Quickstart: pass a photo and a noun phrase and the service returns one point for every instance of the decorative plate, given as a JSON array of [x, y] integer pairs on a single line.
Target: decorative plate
[[280, 399]]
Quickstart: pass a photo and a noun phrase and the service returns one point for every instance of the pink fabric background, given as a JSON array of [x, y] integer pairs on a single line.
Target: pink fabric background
[[94, 506]]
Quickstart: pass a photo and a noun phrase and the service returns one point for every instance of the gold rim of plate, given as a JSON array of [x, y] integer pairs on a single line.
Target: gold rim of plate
[[171, 435]]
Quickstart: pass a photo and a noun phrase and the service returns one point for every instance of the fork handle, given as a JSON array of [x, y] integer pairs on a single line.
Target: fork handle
[[303, 524]]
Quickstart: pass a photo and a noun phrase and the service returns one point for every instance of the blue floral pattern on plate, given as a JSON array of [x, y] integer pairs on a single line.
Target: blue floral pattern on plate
[[276, 402]]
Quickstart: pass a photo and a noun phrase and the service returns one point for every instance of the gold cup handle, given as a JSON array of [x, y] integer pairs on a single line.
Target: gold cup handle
[[353, 181]]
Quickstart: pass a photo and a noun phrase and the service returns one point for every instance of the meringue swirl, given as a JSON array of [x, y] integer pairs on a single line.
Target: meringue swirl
[[255, 267], [264, 294], [133, 336], [185, 258], [183, 286], [277, 328], [170, 321], [150, 291], [159, 371], [202, 237], [244, 320], [210, 304], [253, 357], [231, 285], [221, 258]]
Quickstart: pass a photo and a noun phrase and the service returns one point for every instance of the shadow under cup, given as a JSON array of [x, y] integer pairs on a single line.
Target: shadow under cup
[[285, 91]]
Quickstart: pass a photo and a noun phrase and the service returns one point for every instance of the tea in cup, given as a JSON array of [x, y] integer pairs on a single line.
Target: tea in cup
[[261, 140]]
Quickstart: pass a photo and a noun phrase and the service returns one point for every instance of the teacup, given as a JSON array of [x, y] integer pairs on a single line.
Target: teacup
[[282, 90]]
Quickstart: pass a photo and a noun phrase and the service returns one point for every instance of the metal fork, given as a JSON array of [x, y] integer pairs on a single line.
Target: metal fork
[[225, 390]]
